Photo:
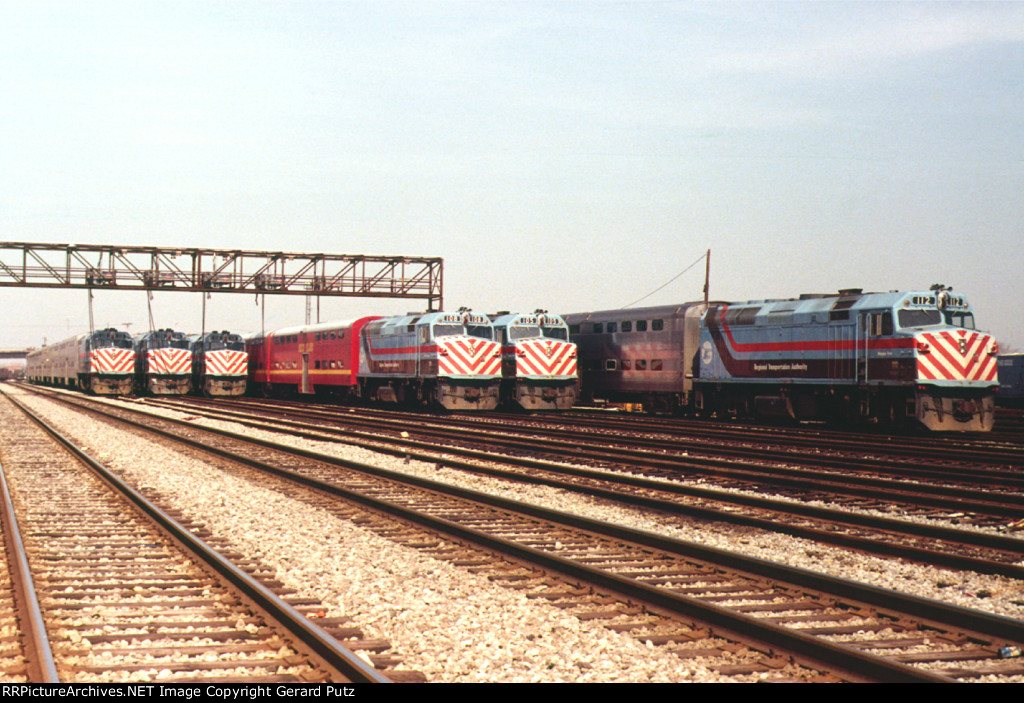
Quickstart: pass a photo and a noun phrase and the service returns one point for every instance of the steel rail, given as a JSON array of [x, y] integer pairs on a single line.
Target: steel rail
[[38, 653], [1008, 504], [917, 446], [483, 426], [934, 613], [940, 613], [307, 632], [410, 447]]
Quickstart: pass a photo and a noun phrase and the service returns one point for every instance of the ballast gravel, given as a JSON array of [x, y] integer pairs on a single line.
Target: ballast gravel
[[452, 625]]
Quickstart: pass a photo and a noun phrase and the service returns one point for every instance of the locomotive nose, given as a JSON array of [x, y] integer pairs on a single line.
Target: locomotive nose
[[960, 355]]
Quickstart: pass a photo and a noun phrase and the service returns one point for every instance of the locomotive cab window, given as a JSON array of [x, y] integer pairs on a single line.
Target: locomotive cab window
[[657, 325], [918, 318], [627, 326], [960, 319], [641, 325], [523, 332], [879, 324], [480, 331]]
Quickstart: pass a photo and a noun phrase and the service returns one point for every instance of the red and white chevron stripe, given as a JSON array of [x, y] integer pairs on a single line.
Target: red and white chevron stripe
[[112, 360], [468, 356], [226, 362], [960, 355], [170, 361], [545, 357]]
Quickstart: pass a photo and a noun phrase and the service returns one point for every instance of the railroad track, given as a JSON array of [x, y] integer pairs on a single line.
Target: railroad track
[[126, 594], [988, 447], [867, 476], [983, 552], [666, 575]]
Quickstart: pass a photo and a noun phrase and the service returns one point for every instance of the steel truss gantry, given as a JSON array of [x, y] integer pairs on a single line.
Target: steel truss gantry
[[221, 270]]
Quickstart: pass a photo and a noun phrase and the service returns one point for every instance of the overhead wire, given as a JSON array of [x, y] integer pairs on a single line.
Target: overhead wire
[[699, 259]]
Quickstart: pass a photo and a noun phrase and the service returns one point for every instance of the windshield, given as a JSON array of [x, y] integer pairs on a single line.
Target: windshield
[[919, 318], [927, 318], [960, 319], [225, 344], [481, 331], [523, 332], [175, 340], [556, 333], [121, 342], [447, 330]]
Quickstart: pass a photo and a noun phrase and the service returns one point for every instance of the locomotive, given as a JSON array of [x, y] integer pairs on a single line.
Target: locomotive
[[538, 362], [219, 363], [435, 358], [163, 363], [893, 358], [100, 362]]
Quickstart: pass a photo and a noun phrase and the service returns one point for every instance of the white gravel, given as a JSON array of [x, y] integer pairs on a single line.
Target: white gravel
[[425, 606], [449, 624]]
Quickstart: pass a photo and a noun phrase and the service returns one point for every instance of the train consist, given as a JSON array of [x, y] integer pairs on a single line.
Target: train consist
[[101, 362], [162, 362], [443, 359], [450, 360], [890, 358], [219, 363], [893, 359], [538, 362]]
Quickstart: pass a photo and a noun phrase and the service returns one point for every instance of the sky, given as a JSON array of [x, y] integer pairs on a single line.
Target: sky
[[569, 156]]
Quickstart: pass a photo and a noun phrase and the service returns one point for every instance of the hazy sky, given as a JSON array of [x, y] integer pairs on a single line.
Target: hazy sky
[[563, 155]]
